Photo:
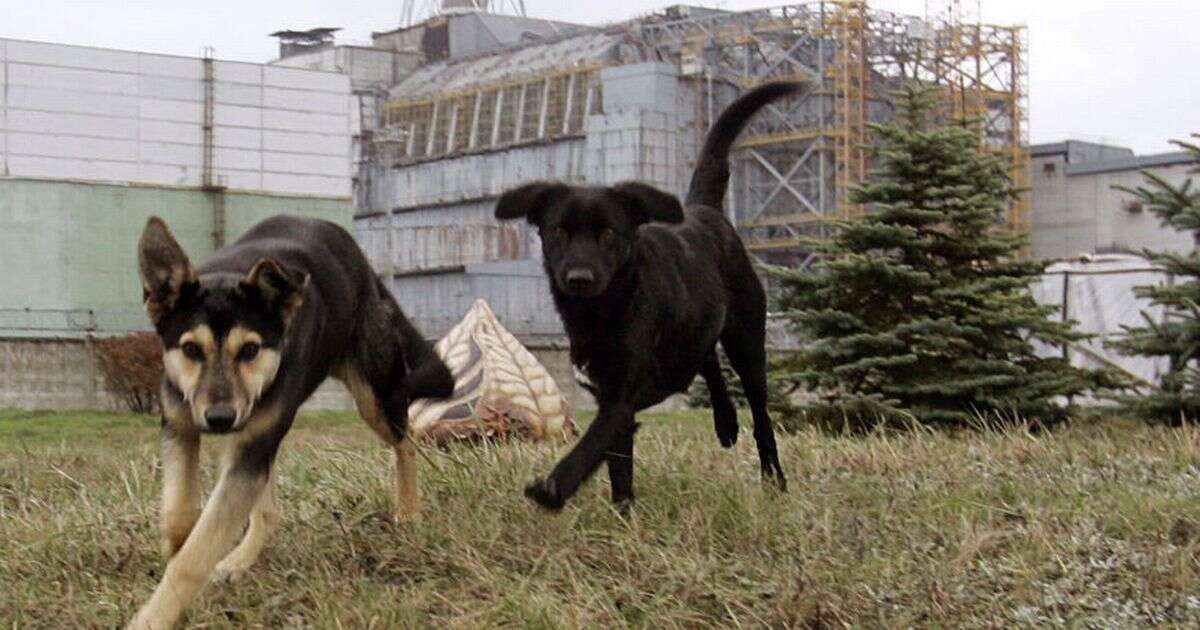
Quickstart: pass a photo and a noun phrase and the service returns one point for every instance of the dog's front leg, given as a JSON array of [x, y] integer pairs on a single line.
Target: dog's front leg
[[613, 422], [242, 481], [181, 485]]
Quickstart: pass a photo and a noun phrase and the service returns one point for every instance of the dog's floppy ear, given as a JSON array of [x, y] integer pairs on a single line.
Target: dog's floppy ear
[[164, 269], [280, 288], [650, 203], [529, 201]]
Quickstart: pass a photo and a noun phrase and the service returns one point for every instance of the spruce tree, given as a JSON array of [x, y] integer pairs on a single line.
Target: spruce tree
[[1176, 398], [921, 309]]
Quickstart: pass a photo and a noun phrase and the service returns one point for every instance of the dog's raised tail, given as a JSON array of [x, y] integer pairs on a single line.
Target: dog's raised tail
[[711, 177]]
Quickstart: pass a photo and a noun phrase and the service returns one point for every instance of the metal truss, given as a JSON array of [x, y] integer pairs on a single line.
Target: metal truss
[[800, 160]]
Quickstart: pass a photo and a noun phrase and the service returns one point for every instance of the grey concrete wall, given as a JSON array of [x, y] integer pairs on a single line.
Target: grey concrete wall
[[62, 374], [1082, 213]]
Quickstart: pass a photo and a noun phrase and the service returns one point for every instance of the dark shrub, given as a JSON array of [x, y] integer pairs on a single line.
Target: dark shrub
[[132, 369]]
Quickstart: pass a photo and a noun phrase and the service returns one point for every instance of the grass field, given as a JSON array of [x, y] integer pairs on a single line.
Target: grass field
[[1095, 525]]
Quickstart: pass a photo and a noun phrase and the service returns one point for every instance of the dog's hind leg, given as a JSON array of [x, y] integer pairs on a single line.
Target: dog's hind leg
[[724, 413], [744, 344], [264, 520], [384, 411]]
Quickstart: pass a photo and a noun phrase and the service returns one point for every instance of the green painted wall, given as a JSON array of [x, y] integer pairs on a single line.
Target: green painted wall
[[67, 245]]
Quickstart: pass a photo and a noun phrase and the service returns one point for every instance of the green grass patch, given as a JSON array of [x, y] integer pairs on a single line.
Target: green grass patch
[[1092, 525]]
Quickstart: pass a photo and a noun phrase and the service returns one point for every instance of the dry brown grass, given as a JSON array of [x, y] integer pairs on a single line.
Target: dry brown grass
[[1094, 525]]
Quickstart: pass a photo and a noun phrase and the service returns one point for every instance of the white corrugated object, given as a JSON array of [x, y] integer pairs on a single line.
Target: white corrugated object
[[78, 113], [500, 389]]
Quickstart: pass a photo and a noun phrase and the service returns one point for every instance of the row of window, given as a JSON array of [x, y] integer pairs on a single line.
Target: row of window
[[548, 107]]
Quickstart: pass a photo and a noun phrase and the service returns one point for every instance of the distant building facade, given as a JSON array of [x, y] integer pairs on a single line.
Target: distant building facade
[[1076, 208]]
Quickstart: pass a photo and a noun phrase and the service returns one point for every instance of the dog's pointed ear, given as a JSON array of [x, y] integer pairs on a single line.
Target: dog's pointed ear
[[280, 288], [649, 203], [529, 201], [164, 269]]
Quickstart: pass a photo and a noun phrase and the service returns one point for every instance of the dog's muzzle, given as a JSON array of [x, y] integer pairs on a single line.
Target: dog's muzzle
[[580, 280], [220, 418]]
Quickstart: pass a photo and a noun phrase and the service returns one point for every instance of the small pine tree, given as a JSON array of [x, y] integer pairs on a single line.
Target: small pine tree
[[920, 309], [1176, 398]]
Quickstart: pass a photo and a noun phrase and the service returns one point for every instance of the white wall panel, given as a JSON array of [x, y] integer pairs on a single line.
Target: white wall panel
[[73, 147], [305, 101], [171, 88], [72, 79], [281, 77], [237, 137], [174, 111], [59, 168], [60, 100], [306, 184], [162, 131], [305, 164], [238, 159], [305, 121], [237, 94], [238, 72], [237, 115], [170, 66], [169, 175], [71, 124], [165, 153], [73, 56], [292, 142], [70, 112]]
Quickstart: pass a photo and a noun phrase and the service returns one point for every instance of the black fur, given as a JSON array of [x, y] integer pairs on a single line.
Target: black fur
[[645, 290]]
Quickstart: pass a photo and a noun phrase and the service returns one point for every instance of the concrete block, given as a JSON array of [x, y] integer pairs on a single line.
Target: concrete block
[[60, 168], [335, 166], [168, 174], [60, 100], [306, 143], [305, 122], [306, 184], [238, 179]]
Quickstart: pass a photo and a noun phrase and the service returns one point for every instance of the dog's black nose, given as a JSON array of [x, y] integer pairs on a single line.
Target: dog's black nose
[[580, 279], [220, 418]]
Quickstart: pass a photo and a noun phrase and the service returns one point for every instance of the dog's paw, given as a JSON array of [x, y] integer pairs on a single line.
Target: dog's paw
[[773, 476], [229, 572], [544, 493], [727, 428]]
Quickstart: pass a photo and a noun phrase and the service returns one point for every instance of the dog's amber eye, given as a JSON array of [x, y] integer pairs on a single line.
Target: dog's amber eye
[[192, 351], [608, 236], [248, 352]]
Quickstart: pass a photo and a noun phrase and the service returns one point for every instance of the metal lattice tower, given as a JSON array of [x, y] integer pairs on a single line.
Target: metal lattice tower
[[802, 156], [415, 11]]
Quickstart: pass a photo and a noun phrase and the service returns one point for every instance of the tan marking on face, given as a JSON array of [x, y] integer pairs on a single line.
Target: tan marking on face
[[184, 373], [253, 376]]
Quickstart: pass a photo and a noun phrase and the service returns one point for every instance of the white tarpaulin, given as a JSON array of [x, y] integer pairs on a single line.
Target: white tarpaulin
[[1097, 292]]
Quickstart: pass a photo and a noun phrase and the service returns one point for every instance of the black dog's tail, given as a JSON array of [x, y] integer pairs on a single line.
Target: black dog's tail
[[711, 177], [427, 375]]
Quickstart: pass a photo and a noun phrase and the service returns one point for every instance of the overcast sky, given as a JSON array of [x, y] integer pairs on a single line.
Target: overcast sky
[[1121, 71]]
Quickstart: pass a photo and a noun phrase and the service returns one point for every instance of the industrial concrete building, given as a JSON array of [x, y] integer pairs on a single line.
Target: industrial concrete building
[[1078, 209], [459, 107], [92, 142]]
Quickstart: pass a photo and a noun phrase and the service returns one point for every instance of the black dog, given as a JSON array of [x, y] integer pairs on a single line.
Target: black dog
[[645, 289], [246, 340]]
